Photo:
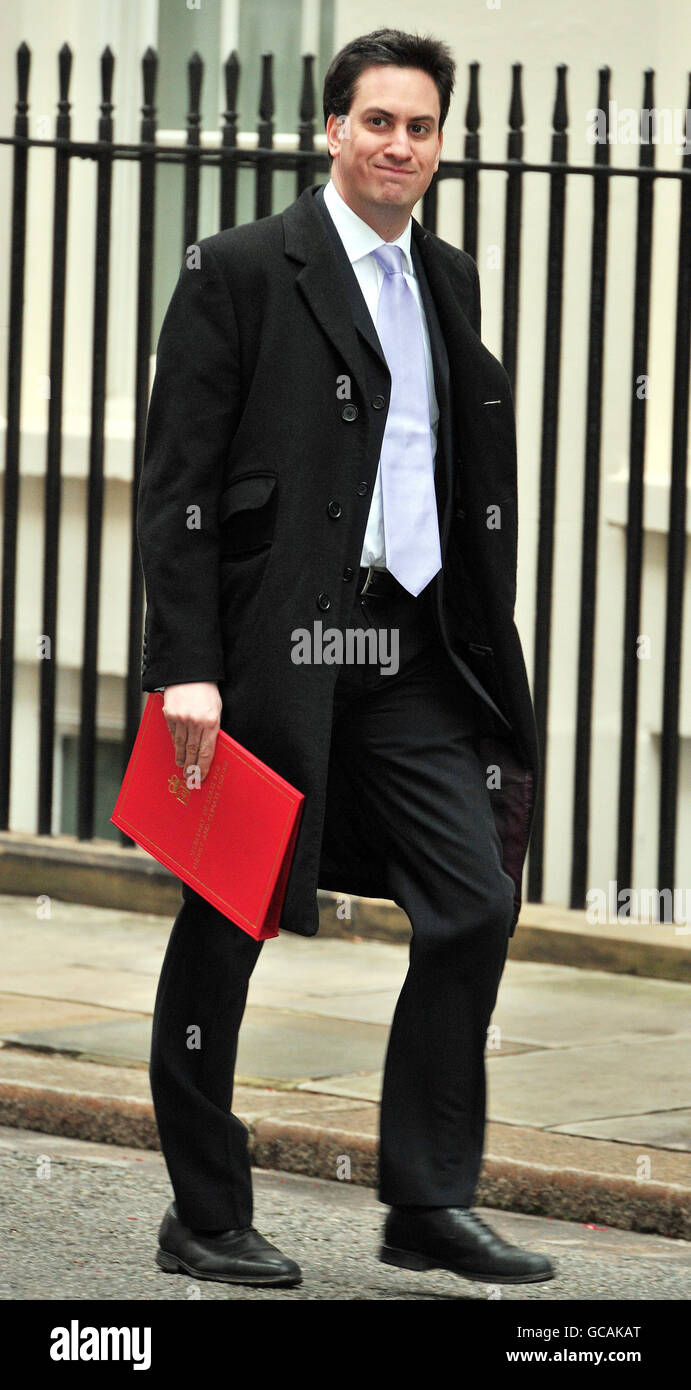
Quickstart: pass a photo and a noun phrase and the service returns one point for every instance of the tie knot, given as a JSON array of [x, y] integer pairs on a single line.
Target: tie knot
[[390, 258]]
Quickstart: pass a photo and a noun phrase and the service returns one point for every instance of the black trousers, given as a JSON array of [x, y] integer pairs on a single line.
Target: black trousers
[[406, 740]]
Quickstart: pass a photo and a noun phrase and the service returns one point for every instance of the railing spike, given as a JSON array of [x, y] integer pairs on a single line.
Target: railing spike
[[307, 106], [266, 96], [516, 117], [149, 74], [560, 118], [231, 72], [23, 68], [472, 110]]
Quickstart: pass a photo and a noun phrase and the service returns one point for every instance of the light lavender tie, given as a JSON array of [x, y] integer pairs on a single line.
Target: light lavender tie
[[411, 526]]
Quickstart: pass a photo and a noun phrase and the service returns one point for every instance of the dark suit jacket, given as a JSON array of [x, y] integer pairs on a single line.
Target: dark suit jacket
[[269, 402]]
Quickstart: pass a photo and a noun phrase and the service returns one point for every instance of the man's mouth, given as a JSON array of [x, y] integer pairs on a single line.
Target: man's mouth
[[388, 169]]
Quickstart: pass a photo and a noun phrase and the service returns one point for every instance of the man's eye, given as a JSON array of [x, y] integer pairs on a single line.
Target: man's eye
[[415, 126]]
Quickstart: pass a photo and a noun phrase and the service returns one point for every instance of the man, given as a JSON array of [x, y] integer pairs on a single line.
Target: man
[[328, 441]]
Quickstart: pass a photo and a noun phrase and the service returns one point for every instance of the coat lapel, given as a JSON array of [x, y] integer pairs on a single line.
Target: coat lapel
[[333, 304], [361, 314]]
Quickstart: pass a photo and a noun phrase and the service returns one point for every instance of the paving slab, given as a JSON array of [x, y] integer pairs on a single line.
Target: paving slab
[[539, 1005], [663, 1129], [60, 1073], [357, 1005], [285, 1046], [556, 1006], [561, 1085], [109, 988], [275, 1045], [354, 1085], [75, 932], [18, 1013], [120, 1040]]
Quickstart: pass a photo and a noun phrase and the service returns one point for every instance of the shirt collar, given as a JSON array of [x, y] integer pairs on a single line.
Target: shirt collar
[[358, 238]]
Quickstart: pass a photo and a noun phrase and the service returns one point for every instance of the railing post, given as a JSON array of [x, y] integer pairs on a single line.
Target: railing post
[[229, 140], [512, 232], [265, 137], [634, 521], [195, 75], [548, 469], [591, 511], [145, 269], [53, 488], [676, 538], [306, 123], [14, 396], [89, 673]]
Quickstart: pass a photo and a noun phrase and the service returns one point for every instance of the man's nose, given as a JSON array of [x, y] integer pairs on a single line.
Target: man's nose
[[399, 144]]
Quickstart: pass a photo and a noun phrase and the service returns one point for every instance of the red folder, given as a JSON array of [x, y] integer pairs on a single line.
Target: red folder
[[231, 838]]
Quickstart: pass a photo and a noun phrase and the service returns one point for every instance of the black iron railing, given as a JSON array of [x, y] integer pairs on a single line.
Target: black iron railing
[[308, 163]]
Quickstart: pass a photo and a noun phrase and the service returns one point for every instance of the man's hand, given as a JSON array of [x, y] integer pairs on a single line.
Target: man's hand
[[193, 715]]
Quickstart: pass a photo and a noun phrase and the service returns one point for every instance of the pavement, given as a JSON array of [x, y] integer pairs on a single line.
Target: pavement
[[589, 1083]]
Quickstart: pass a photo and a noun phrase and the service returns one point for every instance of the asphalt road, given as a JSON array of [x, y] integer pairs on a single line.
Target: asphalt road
[[87, 1228]]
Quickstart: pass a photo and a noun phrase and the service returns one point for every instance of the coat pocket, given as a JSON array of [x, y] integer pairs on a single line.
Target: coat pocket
[[247, 516]]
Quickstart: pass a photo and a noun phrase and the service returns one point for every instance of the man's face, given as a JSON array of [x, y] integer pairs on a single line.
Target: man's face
[[387, 148]]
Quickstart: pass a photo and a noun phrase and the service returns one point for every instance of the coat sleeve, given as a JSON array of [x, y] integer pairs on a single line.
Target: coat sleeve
[[192, 417]]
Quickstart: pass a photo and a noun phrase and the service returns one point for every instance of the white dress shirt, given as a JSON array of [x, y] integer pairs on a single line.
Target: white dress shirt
[[359, 240]]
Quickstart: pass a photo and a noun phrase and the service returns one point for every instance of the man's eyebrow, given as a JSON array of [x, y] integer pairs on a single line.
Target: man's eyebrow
[[379, 111]]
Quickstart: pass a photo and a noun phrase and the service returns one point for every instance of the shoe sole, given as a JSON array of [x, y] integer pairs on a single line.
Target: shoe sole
[[172, 1264], [410, 1259]]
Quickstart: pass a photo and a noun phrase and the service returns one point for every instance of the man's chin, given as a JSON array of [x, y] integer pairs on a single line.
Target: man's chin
[[390, 191]]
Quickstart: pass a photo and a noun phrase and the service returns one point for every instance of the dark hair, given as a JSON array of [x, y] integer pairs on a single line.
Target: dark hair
[[387, 47]]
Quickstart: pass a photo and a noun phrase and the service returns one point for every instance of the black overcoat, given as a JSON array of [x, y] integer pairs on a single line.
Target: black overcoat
[[263, 437]]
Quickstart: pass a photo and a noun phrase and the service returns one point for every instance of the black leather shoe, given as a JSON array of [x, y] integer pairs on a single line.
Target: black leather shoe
[[457, 1239], [240, 1256]]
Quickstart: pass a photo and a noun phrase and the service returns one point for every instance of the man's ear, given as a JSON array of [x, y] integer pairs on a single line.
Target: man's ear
[[336, 130], [441, 142]]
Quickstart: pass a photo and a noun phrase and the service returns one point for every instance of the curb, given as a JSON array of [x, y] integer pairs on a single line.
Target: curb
[[506, 1184]]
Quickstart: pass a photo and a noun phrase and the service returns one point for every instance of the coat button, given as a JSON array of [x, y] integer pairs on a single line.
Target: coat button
[[334, 509], [349, 412], [347, 573], [323, 602], [361, 489], [379, 402]]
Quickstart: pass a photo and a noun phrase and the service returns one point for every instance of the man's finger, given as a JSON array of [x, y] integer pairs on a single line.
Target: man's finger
[[205, 752]]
